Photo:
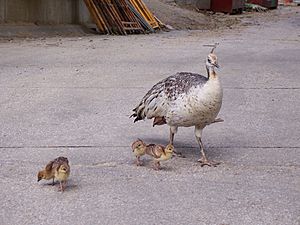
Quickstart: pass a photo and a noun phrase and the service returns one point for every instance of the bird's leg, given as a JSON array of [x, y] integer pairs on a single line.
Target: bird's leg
[[173, 131], [60, 186], [171, 137], [53, 181], [138, 161], [203, 160], [64, 185], [156, 165]]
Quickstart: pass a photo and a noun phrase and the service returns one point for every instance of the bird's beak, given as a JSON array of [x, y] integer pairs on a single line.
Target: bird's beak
[[217, 65], [38, 179]]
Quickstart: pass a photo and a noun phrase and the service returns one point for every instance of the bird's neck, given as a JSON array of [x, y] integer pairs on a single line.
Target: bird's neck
[[46, 174], [211, 73], [167, 155]]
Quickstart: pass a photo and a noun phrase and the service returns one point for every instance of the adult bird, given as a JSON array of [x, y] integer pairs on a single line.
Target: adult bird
[[184, 100]]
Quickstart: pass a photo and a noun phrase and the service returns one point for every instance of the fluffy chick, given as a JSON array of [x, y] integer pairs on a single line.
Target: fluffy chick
[[58, 169], [159, 153], [46, 173], [138, 149]]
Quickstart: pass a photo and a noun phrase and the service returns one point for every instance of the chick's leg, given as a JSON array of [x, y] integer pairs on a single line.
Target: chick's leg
[[173, 131], [203, 160], [60, 186], [156, 165], [138, 161], [64, 185]]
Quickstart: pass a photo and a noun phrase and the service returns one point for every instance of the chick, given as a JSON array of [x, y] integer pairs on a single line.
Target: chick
[[139, 149], [58, 169], [159, 153], [47, 173]]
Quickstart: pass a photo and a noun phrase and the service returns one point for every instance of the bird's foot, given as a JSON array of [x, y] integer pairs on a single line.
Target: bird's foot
[[61, 187], [178, 154], [206, 162], [139, 163], [156, 166]]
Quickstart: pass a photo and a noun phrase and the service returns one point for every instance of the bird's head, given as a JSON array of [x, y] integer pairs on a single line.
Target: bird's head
[[41, 175], [138, 145], [169, 148], [212, 59], [63, 169]]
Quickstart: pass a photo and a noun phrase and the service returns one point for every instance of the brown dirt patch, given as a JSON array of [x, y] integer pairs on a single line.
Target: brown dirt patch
[[192, 19]]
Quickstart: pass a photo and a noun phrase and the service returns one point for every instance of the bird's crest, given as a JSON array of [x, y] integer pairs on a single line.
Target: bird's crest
[[214, 46]]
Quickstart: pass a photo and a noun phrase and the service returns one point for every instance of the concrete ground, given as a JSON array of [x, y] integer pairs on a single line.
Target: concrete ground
[[73, 96]]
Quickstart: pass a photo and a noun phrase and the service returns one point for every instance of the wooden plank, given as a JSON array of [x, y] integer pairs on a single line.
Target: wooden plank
[[161, 24], [116, 17], [129, 20], [145, 12], [101, 14], [89, 4], [140, 18], [108, 17]]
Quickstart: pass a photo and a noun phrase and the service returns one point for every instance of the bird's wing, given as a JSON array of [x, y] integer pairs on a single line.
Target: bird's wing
[[153, 103], [155, 150], [159, 98], [49, 166], [60, 161], [149, 149]]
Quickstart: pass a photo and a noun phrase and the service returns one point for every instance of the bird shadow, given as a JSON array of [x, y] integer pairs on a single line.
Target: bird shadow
[[50, 184], [148, 164], [69, 186], [179, 146], [166, 169], [72, 187]]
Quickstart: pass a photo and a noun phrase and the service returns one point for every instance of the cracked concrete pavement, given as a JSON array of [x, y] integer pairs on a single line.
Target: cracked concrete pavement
[[72, 96]]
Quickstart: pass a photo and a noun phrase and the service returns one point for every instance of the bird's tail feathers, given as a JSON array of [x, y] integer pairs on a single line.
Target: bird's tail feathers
[[138, 113]]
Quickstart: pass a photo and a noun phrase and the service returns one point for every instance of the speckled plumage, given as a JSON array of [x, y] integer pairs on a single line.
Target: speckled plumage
[[58, 169], [179, 100], [159, 153], [184, 100]]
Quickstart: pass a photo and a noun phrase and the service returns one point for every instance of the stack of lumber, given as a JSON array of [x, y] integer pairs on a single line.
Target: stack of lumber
[[122, 16], [140, 6]]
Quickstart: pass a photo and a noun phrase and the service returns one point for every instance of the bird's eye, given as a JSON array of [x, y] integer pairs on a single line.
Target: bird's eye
[[208, 60]]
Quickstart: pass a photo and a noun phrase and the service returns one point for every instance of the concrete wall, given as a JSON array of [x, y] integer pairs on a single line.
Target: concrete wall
[[200, 4], [44, 11], [2, 10]]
